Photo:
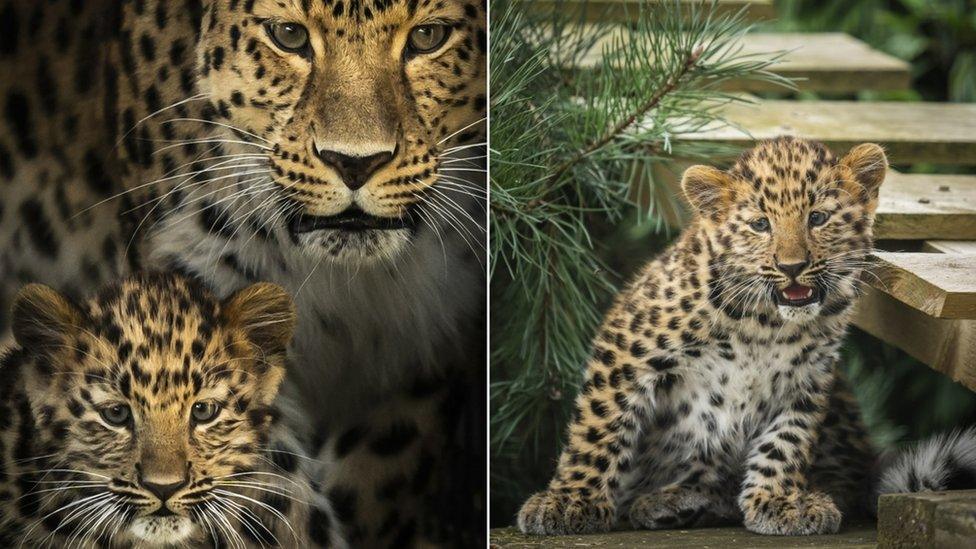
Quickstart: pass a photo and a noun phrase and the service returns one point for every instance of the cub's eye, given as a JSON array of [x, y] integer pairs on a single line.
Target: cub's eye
[[290, 37], [760, 225], [116, 414], [427, 38], [818, 218], [205, 412]]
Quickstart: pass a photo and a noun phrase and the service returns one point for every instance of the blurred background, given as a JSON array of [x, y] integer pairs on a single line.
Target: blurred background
[[902, 399]]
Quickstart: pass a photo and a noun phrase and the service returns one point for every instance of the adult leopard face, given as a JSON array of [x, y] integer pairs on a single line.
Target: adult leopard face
[[152, 405], [355, 104], [794, 223]]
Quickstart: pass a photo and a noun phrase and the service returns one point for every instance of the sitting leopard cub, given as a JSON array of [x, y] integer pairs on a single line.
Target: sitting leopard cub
[[144, 418], [712, 393]]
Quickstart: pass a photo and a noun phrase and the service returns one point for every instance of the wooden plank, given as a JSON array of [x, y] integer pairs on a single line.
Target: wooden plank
[[926, 206], [964, 247], [822, 62], [941, 133], [861, 535], [627, 10], [927, 519], [940, 285], [947, 346]]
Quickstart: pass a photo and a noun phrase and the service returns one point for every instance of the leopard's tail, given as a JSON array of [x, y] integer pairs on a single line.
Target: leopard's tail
[[942, 462]]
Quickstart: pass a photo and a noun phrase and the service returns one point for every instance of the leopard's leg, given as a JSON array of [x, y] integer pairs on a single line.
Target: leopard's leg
[[611, 412], [844, 459], [775, 497]]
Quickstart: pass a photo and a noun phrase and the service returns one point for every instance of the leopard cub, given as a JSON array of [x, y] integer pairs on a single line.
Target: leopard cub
[[145, 418], [712, 393]]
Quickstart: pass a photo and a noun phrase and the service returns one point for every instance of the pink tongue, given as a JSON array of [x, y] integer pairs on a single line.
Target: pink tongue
[[797, 291]]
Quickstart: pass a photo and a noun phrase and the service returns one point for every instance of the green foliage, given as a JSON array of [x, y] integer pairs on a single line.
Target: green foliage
[[938, 37], [572, 151]]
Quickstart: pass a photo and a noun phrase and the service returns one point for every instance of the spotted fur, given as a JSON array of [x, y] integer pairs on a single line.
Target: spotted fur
[[179, 136], [144, 418], [706, 398]]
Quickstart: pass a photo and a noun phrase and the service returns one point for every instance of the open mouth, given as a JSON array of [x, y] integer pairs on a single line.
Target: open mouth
[[352, 219], [797, 295]]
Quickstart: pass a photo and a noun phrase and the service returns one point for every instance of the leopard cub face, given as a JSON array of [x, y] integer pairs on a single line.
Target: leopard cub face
[[793, 222], [151, 404]]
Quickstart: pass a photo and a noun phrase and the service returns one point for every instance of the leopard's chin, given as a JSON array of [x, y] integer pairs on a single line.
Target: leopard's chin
[[161, 531], [354, 246], [798, 303]]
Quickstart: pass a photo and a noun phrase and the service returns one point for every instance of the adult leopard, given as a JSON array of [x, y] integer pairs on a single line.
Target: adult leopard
[[332, 147]]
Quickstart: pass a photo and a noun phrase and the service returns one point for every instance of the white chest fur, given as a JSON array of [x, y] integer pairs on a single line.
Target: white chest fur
[[711, 407]]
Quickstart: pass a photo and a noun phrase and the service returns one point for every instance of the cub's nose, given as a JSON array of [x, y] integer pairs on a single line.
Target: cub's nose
[[355, 171], [792, 270], [164, 491]]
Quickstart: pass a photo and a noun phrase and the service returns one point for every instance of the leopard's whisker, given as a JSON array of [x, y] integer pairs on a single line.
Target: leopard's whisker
[[196, 97], [221, 124], [475, 123]]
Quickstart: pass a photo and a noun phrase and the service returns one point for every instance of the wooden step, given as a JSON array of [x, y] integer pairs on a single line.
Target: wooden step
[[925, 304], [821, 62], [941, 133], [924, 206], [939, 285], [964, 247], [928, 519], [857, 535], [627, 10], [947, 346]]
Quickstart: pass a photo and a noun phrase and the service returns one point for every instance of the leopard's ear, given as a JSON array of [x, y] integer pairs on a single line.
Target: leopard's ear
[[43, 318], [266, 314], [870, 165], [708, 189]]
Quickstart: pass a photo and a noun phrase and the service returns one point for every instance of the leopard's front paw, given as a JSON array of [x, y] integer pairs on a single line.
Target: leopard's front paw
[[793, 514], [556, 512]]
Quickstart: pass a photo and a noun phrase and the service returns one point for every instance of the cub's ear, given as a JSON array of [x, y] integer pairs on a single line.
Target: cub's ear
[[708, 189], [42, 318], [265, 312], [869, 164]]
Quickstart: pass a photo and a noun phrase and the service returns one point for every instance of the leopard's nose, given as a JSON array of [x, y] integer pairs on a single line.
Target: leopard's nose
[[354, 170], [792, 270], [164, 491]]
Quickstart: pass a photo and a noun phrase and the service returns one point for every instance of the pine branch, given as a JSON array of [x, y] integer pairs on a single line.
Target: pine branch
[[626, 123]]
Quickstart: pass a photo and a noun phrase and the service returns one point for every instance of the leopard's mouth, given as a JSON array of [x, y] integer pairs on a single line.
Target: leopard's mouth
[[352, 220], [797, 295]]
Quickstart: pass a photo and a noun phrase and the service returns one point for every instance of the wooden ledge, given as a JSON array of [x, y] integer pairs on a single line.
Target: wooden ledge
[[940, 133], [939, 285], [928, 519], [860, 535], [926, 206], [822, 62], [626, 10]]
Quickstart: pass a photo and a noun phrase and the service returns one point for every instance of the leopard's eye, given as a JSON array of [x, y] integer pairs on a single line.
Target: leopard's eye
[[818, 218], [290, 37], [116, 414], [204, 412], [760, 225], [427, 38]]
